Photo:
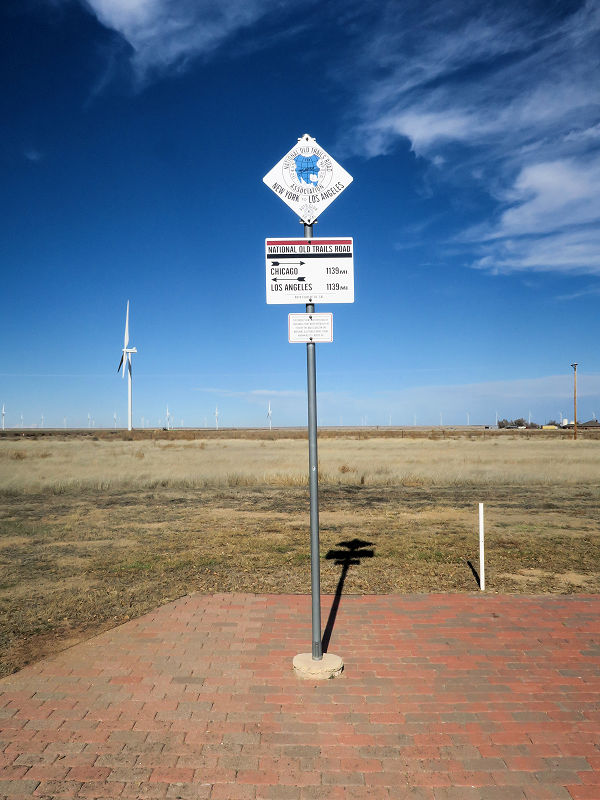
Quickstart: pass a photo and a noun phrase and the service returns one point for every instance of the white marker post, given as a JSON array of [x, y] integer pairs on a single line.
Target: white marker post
[[481, 550]]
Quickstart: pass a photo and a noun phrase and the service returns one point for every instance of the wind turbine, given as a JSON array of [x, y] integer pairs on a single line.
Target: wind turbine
[[3, 412], [125, 362], [268, 416], [115, 419], [168, 418], [217, 417]]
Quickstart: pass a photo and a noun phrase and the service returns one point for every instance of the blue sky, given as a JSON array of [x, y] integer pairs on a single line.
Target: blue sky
[[134, 138]]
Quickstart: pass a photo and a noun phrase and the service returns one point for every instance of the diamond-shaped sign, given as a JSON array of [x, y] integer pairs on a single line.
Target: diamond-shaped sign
[[307, 179]]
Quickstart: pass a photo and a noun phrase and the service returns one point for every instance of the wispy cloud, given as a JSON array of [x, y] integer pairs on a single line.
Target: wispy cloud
[[253, 394], [506, 96], [471, 73], [165, 35], [33, 155], [586, 292], [544, 396], [551, 222]]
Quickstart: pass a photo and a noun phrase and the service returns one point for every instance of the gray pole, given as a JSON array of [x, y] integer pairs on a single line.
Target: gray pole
[[313, 474]]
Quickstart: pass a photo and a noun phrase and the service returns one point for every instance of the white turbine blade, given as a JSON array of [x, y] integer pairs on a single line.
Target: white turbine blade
[[126, 339]]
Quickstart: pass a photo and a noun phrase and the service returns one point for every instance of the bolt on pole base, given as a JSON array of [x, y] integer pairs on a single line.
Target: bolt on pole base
[[329, 666]]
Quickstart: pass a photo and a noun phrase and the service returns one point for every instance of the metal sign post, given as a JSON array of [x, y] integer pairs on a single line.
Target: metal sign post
[[307, 179], [313, 477]]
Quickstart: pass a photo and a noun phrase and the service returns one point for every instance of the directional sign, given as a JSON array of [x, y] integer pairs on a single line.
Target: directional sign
[[310, 270], [307, 179], [304, 328]]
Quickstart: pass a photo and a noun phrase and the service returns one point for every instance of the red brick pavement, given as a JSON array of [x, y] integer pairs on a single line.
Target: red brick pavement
[[444, 697]]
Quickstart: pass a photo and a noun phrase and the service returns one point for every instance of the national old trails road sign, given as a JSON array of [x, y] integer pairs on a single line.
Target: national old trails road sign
[[310, 270], [307, 179]]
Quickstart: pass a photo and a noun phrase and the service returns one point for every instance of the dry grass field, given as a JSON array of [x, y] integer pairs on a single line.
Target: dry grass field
[[94, 531]]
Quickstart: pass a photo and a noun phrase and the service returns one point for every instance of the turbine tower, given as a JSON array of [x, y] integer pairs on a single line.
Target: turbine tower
[[168, 419], [268, 416], [217, 417], [125, 362], [3, 412]]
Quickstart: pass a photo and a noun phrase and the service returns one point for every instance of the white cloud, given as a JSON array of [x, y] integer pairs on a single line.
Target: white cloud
[[511, 398], [504, 96], [473, 73], [587, 134], [574, 252], [253, 394], [589, 290], [553, 194], [552, 223], [167, 34], [545, 396], [33, 155]]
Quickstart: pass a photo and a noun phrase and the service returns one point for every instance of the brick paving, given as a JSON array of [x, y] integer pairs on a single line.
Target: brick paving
[[444, 697]]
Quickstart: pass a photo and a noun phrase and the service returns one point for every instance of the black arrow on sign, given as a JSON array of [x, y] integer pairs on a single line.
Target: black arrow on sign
[[287, 263], [294, 279]]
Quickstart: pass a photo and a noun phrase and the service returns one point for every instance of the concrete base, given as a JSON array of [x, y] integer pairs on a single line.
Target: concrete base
[[329, 666]]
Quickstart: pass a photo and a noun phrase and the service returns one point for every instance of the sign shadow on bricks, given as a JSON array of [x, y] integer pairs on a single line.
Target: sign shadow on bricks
[[351, 555]]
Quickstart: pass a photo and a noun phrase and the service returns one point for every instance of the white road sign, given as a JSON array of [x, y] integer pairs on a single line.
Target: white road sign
[[310, 270], [304, 328], [307, 179]]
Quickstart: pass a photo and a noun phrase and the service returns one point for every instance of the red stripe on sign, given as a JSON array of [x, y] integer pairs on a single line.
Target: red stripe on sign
[[271, 242]]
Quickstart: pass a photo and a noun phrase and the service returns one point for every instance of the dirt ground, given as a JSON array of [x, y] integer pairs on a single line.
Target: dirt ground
[[77, 561]]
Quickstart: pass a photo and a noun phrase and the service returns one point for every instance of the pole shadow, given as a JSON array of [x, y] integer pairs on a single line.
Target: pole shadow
[[475, 573], [355, 550]]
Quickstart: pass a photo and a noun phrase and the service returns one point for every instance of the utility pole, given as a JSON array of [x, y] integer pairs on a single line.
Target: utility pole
[[574, 400]]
